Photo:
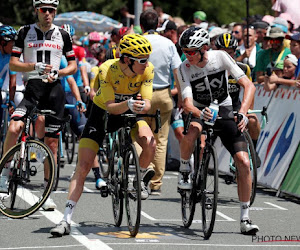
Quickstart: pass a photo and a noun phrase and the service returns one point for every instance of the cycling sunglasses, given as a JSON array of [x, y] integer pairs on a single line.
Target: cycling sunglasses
[[45, 9], [190, 52], [140, 60]]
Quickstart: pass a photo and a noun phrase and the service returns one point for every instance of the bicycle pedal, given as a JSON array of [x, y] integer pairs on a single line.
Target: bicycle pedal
[[104, 191]]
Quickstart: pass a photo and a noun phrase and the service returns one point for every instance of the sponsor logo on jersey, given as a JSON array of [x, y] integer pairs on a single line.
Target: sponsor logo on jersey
[[92, 129], [120, 98], [134, 85], [45, 45], [32, 37]]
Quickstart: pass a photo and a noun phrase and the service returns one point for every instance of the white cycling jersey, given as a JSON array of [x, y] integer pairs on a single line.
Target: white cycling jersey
[[209, 83], [46, 47]]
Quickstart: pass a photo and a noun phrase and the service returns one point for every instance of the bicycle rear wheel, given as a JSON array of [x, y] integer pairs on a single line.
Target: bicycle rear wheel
[[103, 158], [115, 184], [27, 189], [253, 166], [209, 190], [132, 190], [69, 139]]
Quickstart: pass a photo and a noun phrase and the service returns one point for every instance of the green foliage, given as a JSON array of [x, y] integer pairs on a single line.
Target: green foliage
[[19, 12]]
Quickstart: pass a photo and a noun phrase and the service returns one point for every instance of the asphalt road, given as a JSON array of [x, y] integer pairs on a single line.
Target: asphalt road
[[161, 225]]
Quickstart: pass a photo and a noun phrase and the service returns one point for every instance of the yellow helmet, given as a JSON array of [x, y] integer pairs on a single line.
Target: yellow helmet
[[135, 45]]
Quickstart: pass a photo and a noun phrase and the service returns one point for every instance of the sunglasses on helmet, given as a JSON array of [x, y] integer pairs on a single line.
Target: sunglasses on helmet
[[140, 60], [45, 9]]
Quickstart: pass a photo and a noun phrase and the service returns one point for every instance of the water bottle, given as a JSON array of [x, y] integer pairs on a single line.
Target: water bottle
[[214, 108]]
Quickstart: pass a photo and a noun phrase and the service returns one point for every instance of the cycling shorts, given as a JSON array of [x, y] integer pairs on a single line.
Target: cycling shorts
[[94, 130], [226, 128], [178, 122], [49, 96]]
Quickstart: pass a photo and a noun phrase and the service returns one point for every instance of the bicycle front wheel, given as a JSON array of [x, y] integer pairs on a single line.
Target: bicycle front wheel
[[115, 183], [132, 190], [253, 166], [27, 188], [209, 190], [69, 138]]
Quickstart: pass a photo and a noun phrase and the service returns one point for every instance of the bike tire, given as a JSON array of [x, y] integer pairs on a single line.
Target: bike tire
[[22, 202], [103, 158], [115, 185], [58, 166], [253, 166], [189, 197], [209, 190], [132, 190], [70, 142]]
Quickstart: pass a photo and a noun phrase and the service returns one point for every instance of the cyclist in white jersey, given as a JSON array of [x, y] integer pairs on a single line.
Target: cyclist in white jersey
[[203, 78], [42, 45]]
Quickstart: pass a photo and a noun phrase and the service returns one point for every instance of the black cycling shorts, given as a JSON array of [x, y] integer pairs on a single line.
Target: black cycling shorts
[[226, 128], [46, 96]]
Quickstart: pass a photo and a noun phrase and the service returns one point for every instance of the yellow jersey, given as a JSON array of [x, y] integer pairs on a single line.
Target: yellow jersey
[[115, 86]]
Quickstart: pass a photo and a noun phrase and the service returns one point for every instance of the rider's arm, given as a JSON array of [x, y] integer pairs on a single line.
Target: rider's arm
[[69, 70], [116, 108], [249, 91], [12, 86], [188, 107], [74, 88]]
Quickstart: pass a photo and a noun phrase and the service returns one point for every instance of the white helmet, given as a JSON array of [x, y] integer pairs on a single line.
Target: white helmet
[[38, 2], [194, 37]]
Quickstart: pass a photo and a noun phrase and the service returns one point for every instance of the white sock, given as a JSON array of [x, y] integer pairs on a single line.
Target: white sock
[[69, 211], [184, 165], [245, 207]]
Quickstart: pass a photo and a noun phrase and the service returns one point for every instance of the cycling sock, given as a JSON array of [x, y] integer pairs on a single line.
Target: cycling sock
[[69, 211], [96, 172], [184, 165], [245, 210]]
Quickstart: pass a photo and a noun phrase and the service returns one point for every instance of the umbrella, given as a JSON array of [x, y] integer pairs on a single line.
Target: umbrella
[[86, 21]]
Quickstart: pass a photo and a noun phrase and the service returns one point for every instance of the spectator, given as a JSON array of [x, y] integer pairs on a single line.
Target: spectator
[[213, 34], [237, 32], [291, 7], [261, 28], [169, 30], [282, 24], [269, 57], [295, 49], [288, 75], [127, 19], [164, 58], [248, 53], [162, 17], [147, 5], [179, 32], [288, 18], [200, 19]]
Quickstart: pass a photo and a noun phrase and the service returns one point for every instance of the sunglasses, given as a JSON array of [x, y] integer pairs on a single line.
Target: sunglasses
[[235, 32], [45, 9], [275, 41], [140, 60], [190, 52]]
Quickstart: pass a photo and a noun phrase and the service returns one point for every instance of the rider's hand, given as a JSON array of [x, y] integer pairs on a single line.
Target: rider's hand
[[53, 76], [81, 106], [206, 114], [136, 106], [87, 89], [243, 122], [11, 107], [42, 68]]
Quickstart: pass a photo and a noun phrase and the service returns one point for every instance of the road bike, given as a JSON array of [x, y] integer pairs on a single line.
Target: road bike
[[204, 182], [124, 179]]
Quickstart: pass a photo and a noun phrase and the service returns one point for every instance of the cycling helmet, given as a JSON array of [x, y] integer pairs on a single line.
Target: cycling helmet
[[69, 28], [194, 37], [8, 33], [226, 41], [94, 37], [135, 45], [122, 31], [36, 3], [96, 48]]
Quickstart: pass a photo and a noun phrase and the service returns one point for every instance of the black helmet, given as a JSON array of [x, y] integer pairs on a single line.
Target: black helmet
[[226, 41], [194, 37]]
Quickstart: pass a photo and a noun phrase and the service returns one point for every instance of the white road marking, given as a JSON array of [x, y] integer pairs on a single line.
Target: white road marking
[[273, 205], [227, 218], [41, 247], [55, 217], [147, 216]]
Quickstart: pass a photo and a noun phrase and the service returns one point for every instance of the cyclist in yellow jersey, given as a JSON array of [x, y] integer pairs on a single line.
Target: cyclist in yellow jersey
[[120, 80]]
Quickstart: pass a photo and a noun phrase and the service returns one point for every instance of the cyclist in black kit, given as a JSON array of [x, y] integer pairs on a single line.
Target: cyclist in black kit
[[42, 45], [203, 78]]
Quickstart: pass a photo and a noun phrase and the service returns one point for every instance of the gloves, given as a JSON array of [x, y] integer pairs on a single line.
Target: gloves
[[40, 67], [130, 104], [244, 118], [202, 114], [54, 74], [87, 89], [138, 107], [80, 104]]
